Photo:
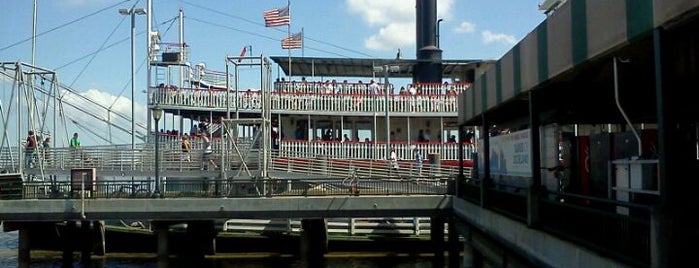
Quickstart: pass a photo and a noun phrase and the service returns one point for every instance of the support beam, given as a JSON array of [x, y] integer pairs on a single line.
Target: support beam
[[471, 258], [201, 238], [99, 246], [485, 179], [454, 244], [86, 244], [24, 250], [67, 239], [535, 188], [314, 241], [163, 251], [437, 238], [673, 233]]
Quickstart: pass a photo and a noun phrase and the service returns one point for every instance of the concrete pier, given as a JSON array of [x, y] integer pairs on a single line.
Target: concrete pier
[[85, 240], [163, 251], [24, 252], [67, 238], [314, 241], [99, 245], [437, 238], [454, 244], [201, 236]]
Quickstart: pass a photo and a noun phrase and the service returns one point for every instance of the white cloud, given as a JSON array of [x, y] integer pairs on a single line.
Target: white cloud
[[393, 21], [391, 36], [465, 27], [89, 114], [444, 8], [491, 37], [381, 13], [120, 104], [96, 97], [76, 112]]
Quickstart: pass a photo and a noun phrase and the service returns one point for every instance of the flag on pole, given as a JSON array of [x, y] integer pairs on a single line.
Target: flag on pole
[[276, 16], [242, 53], [293, 41]]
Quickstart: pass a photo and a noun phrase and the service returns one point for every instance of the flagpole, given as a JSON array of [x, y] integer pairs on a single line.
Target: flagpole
[[288, 33], [303, 45]]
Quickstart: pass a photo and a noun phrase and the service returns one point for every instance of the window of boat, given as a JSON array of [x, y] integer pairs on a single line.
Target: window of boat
[[347, 132], [364, 131], [323, 130], [450, 135], [302, 130]]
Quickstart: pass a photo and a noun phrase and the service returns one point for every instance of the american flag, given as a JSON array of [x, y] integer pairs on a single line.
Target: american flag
[[293, 41], [276, 16]]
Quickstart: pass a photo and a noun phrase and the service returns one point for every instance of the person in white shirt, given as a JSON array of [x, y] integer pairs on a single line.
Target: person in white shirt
[[412, 90], [207, 154], [374, 88], [393, 159]]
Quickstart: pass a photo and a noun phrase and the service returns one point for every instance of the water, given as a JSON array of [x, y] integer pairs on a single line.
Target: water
[[9, 244], [8, 249]]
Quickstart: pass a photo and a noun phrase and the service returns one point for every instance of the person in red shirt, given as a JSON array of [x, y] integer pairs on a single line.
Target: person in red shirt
[[30, 150]]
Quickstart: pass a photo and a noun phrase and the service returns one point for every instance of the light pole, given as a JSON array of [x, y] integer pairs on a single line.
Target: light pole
[[438, 21], [386, 69], [133, 12], [157, 112]]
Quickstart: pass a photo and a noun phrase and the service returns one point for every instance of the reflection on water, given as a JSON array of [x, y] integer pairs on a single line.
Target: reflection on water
[[8, 258], [8, 249]]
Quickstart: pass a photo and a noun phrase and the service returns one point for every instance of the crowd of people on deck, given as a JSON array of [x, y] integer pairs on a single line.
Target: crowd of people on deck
[[333, 87], [328, 95]]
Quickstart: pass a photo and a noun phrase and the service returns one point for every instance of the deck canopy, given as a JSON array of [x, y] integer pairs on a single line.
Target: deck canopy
[[566, 66], [356, 67]]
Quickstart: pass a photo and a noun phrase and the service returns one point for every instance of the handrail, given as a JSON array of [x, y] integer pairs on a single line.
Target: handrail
[[108, 188], [122, 159], [291, 155]]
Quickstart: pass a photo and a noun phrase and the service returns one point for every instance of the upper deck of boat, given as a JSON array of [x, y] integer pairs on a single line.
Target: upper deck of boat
[[338, 86], [355, 98]]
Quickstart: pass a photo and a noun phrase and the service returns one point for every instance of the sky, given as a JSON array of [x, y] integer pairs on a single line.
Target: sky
[[87, 42]]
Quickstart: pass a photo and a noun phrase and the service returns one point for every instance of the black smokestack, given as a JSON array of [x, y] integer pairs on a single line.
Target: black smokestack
[[429, 56]]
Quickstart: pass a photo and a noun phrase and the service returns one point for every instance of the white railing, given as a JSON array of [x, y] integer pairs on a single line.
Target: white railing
[[372, 150], [349, 150], [323, 158], [210, 78], [251, 100], [334, 167]]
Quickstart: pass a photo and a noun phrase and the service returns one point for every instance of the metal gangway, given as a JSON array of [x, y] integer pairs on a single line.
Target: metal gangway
[[120, 162]]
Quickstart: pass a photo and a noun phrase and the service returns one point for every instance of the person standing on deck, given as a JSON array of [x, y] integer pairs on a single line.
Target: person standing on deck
[[186, 148], [393, 159], [207, 153], [374, 88], [74, 144], [423, 136], [46, 148], [418, 160], [30, 150]]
